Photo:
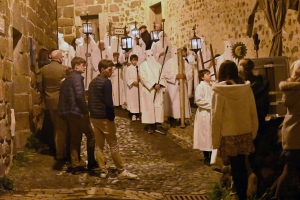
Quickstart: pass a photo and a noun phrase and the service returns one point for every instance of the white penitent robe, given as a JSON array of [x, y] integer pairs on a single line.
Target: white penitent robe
[[152, 111], [189, 61], [133, 102], [172, 94], [160, 47], [96, 57], [80, 52], [117, 86], [202, 124]]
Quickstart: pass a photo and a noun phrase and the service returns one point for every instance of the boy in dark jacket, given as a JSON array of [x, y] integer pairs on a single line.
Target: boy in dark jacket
[[73, 107], [102, 117]]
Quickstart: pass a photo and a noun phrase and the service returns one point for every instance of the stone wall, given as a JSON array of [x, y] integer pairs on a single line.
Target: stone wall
[[21, 20], [119, 12]]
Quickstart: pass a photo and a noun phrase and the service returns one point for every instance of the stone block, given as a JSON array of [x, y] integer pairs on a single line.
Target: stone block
[[1, 69], [7, 70], [114, 8], [21, 140], [21, 85], [69, 38], [8, 87], [118, 1], [65, 22], [21, 63], [68, 12], [21, 103], [135, 4], [37, 110], [95, 10], [79, 3], [22, 121], [101, 1], [65, 2], [2, 91], [2, 111], [115, 19], [68, 30], [35, 97], [89, 2]]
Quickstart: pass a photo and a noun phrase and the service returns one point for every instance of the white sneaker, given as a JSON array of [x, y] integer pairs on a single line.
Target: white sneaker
[[133, 118], [103, 174], [127, 175]]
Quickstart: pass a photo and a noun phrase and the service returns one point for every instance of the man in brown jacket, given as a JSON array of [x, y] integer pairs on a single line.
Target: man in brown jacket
[[52, 76]]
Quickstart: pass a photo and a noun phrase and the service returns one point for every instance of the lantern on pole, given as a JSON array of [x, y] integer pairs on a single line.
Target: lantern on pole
[[126, 41], [195, 45], [154, 34], [135, 31]]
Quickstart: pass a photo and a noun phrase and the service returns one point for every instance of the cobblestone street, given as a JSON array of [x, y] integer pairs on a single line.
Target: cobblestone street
[[164, 165]]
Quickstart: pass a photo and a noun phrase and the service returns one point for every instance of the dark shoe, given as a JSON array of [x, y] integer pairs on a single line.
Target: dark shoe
[[160, 130], [150, 130], [92, 166], [207, 161], [79, 170]]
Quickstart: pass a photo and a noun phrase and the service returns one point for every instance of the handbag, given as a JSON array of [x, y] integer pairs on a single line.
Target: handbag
[[215, 159]]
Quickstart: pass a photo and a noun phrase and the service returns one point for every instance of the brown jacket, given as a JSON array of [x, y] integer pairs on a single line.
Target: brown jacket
[[52, 75], [291, 123]]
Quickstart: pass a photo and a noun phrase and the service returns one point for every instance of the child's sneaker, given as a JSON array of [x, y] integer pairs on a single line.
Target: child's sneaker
[[127, 175], [133, 118]]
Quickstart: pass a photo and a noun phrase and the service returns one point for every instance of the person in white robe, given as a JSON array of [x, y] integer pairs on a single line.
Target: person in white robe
[[137, 50], [152, 93], [99, 53], [202, 123], [84, 51], [172, 94], [159, 48], [117, 81], [68, 51], [133, 84], [189, 63]]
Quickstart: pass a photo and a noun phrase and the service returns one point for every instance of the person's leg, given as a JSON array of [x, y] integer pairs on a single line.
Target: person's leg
[[289, 172], [60, 128], [90, 145], [239, 175], [111, 138], [76, 137], [99, 143]]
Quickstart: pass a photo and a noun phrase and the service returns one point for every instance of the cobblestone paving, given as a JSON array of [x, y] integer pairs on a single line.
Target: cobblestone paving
[[164, 165]]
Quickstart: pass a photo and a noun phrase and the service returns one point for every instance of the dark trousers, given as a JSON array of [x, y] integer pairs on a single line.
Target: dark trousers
[[239, 175], [78, 126]]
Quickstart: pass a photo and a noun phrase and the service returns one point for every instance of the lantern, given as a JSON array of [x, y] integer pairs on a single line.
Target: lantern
[[126, 41], [154, 34]]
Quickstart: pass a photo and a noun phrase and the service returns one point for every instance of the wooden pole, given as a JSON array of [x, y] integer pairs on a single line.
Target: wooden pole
[[86, 56], [163, 29], [201, 57], [181, 90], [213, 61], [137, 74]]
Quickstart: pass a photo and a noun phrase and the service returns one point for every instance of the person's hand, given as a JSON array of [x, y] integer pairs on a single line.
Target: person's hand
[[196, 56], [180, 76], [135, 83], [162, 54], [128, 63], [157, 87], [87, 55], [138, 78]]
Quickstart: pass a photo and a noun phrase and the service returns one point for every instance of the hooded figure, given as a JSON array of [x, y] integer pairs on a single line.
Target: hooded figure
[[84, 51], [68, 51], [152, 107], [98, 54], [159, 49], [172, 94]]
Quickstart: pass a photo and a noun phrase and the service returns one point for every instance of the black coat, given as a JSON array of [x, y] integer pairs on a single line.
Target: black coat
[[72, 96], [100, 98], [146, 37]]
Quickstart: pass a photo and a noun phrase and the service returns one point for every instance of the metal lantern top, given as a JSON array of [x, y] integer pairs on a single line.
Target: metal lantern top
[[195, 42], [154, 34], [135, 31], [126, 41], [87, 26]]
